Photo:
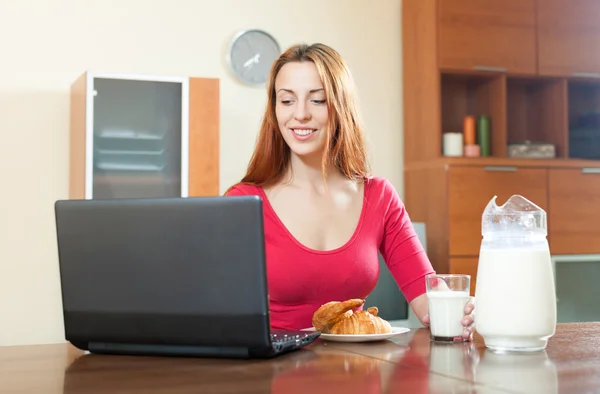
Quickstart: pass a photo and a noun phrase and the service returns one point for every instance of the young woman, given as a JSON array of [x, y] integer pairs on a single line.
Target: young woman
[[326, 218]]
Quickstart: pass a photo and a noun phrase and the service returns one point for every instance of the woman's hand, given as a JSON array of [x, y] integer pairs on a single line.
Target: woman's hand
[[469, 320]]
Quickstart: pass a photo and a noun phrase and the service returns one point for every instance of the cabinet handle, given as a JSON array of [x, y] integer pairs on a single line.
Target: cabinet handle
[[501, 168], [586, 75], [490, 68], [590, 170]]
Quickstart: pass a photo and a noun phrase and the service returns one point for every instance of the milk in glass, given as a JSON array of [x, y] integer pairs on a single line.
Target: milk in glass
[[447, 295], [515, 298], [446, 311]]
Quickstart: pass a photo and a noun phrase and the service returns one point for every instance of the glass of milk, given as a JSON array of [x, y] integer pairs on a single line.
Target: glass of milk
[[448, 294]]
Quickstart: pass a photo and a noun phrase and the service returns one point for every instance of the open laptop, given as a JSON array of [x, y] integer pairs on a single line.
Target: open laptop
[[168, 276]]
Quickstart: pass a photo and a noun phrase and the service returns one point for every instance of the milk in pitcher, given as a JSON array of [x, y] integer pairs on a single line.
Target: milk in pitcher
[[515, 295]]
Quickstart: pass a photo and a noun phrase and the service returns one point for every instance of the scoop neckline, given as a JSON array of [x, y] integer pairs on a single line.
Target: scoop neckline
[[291, 236]]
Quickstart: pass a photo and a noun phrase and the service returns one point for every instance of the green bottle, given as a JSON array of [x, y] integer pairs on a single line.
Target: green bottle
[[484, 135]]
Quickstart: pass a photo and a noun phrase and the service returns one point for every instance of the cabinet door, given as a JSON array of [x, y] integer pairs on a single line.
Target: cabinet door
[[568, 37], [138, 132], [487, 34], [144, 136], [574, 221], [470, 189]]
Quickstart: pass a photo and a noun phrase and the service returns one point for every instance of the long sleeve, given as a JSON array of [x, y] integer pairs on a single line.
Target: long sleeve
[[400, 246]]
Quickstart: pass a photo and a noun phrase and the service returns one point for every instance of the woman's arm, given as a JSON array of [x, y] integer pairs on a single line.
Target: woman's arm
[[420, 307], [403, 252], [406, 258]]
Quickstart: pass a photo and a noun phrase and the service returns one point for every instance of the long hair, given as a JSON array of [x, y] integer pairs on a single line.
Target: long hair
[[345, 143]]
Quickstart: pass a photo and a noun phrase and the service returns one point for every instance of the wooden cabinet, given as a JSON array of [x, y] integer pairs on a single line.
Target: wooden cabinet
[[487, 35], [568, 37], [450, 199], [574, 217], [470, 189], [449, 196], [144, 136], [480, 57], [465, 266], [521, 37], [517, 37]]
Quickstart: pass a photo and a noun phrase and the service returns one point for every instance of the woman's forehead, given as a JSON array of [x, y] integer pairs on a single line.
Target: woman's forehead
[[299, 77]]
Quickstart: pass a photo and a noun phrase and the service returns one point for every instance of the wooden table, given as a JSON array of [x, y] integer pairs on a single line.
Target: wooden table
[[409, 364]]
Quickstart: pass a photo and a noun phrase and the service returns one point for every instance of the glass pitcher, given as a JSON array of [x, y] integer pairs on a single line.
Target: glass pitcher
[[515, 297]]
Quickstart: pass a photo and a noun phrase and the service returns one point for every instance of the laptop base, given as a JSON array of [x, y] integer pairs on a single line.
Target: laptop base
[[295, 340]]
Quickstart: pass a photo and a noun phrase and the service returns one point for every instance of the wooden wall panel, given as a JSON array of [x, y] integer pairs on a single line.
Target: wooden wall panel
[[204, 137]]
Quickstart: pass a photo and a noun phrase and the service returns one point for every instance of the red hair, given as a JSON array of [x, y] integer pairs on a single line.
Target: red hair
[[345, 143]]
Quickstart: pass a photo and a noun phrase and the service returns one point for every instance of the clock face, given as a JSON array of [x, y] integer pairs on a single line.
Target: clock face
[[252, 54]]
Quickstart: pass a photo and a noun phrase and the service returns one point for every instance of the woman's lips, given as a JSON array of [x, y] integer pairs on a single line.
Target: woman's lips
[[303, 134]]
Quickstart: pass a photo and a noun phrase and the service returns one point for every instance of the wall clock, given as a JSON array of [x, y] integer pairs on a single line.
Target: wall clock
[[251, 55]]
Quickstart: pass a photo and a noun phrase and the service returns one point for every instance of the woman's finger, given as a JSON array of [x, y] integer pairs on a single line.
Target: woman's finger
[[468, 332], [467, 321], [470, 306]]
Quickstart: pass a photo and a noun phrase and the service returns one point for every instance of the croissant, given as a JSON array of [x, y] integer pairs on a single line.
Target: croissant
[[362, 323], [332, 312]]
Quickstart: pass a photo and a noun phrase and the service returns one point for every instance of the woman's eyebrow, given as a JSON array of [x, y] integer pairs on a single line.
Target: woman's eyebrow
[[291, 91]]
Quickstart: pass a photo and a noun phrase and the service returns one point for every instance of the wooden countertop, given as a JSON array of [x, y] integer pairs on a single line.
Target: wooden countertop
[[409, 364]]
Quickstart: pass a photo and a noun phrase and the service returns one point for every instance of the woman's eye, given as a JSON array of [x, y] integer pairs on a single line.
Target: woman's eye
[[319, 101], [286, 102]]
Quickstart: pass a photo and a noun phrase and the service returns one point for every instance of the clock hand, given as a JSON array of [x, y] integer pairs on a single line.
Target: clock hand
[[253, 59]]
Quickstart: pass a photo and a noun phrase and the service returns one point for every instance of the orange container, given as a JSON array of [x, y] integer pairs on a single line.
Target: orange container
[[469, 130]]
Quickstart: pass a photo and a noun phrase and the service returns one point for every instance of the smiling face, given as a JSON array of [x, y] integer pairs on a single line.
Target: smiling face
[[311, 115], [301, 108]]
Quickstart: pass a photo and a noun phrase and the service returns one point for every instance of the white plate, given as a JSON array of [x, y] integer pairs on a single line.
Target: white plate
[[361, 338]]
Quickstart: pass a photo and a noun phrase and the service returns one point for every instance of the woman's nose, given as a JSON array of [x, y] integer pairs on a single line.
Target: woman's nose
[[301, 112]]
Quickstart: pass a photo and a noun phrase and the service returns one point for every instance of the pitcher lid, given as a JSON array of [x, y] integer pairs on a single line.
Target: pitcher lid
[[516, 216]]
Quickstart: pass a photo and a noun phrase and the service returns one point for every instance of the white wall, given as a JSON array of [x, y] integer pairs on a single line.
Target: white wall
[[47, 44]]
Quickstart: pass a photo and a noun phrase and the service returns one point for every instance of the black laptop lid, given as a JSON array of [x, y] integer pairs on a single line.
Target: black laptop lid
[[169, 271]]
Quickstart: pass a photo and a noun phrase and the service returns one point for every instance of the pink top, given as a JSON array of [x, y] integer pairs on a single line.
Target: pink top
[[301, 279]]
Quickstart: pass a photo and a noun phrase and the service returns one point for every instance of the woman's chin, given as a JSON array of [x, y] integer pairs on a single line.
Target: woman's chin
[[307, 153]]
